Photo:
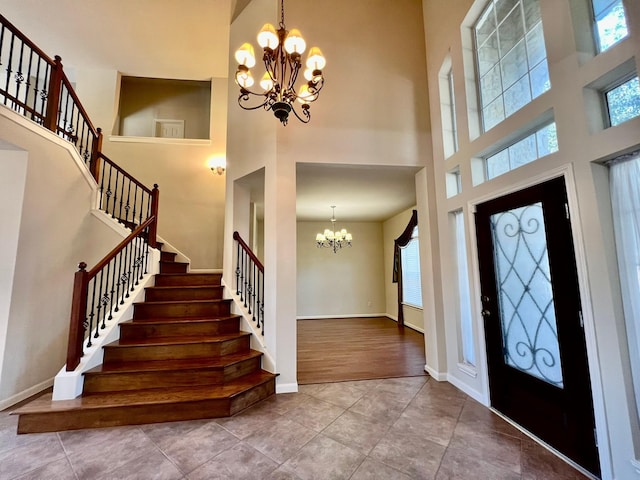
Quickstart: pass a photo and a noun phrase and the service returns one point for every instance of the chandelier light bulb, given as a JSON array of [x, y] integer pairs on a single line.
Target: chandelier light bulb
[[244, 79], [315, 60], [266, 83], [268, 38], [305, 95], [246, 56], [294, 43]]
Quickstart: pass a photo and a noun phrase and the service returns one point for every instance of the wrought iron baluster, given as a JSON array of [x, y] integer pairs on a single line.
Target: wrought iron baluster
[[44, 95], [127, 206], [112, 284], [115, 196], [28, 84], [19, 78], [121, 280], [135, 201], [92, 312], [238, 270], [6, 86]]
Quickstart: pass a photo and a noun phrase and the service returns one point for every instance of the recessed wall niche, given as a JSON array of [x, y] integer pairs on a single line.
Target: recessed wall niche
[[163, 108]]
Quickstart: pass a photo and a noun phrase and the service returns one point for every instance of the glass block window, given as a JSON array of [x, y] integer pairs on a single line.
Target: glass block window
[[623, 102], [610, 22], [511, 58], [532, 147], [411, 281]]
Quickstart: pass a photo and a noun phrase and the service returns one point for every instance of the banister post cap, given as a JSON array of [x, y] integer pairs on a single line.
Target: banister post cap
[[82, 266]]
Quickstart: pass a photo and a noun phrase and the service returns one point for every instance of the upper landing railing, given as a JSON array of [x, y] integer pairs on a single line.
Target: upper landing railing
[[35, 85]]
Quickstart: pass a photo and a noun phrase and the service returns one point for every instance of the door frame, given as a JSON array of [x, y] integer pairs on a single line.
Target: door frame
[[597, 391]]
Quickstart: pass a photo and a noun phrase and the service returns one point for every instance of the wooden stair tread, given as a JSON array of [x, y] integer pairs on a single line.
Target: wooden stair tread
[[178, 340], [182, 287], [180, 320], [44, 404], [194, 302], [173, 364]]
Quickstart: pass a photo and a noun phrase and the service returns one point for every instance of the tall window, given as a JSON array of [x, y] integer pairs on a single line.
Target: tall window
[[411, 282], [610, 23], [623, 101], [464, 296], [448, 108], [511, 58], [625, 203]]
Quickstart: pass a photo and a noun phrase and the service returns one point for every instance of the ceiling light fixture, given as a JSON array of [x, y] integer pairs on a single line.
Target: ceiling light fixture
[[282, 53], [334, 239]]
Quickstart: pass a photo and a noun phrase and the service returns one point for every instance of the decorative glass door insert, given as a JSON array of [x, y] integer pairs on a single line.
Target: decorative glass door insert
[[525, 296]]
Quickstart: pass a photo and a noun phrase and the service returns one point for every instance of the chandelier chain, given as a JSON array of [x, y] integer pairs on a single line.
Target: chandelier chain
[[281, 13]]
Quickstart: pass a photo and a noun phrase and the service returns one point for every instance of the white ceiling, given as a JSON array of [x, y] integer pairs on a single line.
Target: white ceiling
[[189, 39]]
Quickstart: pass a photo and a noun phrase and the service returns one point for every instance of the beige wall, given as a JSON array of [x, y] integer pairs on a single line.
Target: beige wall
[[347, 283], [55, 231], [571, 73], [191, 196], [142, 100]]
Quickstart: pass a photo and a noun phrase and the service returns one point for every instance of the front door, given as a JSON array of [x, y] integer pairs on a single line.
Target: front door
[[538, 371]]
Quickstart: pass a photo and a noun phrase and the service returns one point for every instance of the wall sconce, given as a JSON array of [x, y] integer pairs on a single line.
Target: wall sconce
[[217, 165]]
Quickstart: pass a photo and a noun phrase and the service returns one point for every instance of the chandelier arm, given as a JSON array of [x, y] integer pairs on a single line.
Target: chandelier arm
[[305, 111], [244, 97]]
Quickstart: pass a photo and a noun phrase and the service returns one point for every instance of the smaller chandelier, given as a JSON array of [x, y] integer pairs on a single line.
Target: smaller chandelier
[[334, 239], [282, 53]]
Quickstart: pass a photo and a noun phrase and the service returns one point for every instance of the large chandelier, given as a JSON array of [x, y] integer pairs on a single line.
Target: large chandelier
[[334, 239], [282, 53]]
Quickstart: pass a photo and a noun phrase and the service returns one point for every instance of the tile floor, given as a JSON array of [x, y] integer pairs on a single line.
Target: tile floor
[[401, 428]]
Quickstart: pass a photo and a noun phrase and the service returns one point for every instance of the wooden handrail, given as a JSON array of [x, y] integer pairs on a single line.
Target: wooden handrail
[[111, 255], [74, 96], [245, 247], [124, 172]]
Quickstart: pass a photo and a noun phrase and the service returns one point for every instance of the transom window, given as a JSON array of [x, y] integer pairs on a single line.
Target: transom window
[[610, 23], [511, 58], [623, 101], [536, 145]]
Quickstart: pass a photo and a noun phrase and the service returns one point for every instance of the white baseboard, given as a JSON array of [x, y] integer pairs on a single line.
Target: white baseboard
[[29, 392], [286, 387], [438, 376], [205, 270], [414, 327], [477, 396], [351, 315]]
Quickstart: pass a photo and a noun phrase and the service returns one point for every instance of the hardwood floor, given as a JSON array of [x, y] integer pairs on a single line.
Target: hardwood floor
[[345, 349]]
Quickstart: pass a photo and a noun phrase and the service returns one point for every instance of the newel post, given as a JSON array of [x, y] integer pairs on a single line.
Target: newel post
[[53, 99], [96, 150], [78, 313], [153, 228]]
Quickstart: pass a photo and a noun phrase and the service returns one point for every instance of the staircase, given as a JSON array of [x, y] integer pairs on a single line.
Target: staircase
[[181, 357]]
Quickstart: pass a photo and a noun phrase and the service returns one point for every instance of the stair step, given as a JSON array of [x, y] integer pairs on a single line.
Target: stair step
[[180, 292], [168, 256], [181, 308], [168, 279], [170, 373], [173, 267], [176, 348], [131, 330], [145, 406]]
